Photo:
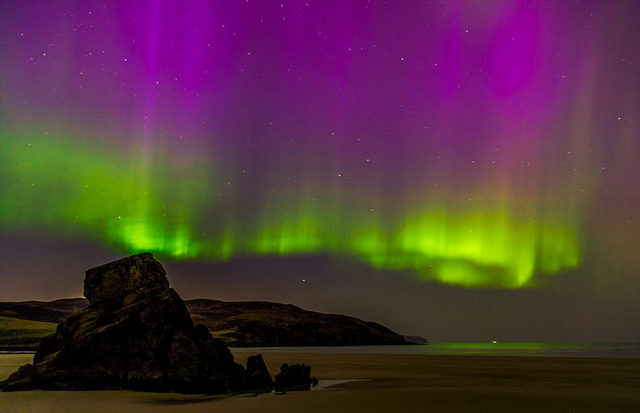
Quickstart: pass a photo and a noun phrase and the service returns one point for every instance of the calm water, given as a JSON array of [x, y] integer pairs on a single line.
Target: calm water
[[608, 350]]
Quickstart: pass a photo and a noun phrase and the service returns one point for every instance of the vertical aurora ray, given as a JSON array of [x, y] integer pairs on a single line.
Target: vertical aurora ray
[[463, 142]]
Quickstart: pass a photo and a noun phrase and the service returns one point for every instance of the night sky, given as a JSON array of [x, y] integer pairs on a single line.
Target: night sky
[[460, 170]]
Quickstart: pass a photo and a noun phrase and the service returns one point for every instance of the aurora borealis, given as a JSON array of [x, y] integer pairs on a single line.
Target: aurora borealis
[[492, 145]]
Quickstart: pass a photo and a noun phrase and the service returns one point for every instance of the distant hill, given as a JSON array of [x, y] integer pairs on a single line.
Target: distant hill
[[239, 324], [19, 334], [45, 311], [255, 324], [23, 324]]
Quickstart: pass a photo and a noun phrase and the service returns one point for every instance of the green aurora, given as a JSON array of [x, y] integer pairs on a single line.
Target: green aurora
[[63, 186]]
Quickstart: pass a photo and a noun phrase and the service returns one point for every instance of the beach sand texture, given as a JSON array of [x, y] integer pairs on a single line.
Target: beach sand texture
[[385, 383]]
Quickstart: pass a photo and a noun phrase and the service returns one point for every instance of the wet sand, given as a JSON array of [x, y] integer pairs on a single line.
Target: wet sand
[[385, 383]]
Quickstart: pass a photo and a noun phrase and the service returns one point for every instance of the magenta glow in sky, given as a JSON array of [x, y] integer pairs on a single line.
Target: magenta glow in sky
[[475, 143]]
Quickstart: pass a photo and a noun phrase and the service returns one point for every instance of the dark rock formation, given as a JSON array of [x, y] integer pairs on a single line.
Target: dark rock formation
[[257, 376], [135, 334], [296, 377]]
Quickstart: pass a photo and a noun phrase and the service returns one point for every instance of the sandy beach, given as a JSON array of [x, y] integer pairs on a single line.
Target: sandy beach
[[384, 383]]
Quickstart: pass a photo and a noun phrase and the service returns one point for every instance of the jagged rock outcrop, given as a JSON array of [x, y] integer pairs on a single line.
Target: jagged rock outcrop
[[295, 377], [257, 376], [135, 334]]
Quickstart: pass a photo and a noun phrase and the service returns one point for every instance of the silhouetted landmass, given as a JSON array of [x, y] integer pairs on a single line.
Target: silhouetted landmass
[[416, 340], [256, 324], [44, 311], [19, 334], [238, 324]]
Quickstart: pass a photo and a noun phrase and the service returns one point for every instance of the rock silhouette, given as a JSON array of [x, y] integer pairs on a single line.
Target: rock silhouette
[[257, 376], [136, 334], [295, 377]]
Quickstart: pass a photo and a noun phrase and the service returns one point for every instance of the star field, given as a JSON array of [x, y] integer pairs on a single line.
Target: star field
[[485, 145]]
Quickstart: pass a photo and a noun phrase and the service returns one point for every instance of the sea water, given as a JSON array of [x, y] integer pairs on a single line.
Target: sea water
[[594, 350], [607, 350]]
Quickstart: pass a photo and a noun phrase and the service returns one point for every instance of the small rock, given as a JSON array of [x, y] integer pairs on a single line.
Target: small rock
[[295, 377], [257, 375]]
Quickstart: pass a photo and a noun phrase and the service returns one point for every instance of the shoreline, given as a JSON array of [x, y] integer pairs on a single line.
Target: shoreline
[[383, 383], [518, 349]]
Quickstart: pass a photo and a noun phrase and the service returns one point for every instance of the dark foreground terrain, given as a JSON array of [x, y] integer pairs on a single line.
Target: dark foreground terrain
[[372, 383]]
